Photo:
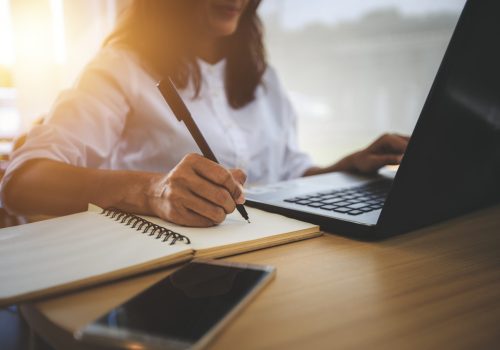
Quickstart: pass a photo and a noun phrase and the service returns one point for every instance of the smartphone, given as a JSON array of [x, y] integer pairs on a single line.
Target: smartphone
[[183, 311]]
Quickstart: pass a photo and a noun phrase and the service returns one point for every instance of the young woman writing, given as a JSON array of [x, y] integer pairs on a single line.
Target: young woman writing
[[113, 141]]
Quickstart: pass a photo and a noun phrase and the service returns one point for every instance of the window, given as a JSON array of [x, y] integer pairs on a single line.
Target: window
[[43, 46], [355, 69]]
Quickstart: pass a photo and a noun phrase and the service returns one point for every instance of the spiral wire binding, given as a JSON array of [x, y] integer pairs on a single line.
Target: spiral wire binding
[[134, 220]]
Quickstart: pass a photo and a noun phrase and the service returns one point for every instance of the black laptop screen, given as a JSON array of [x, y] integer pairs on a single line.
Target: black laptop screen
[[452, 164]]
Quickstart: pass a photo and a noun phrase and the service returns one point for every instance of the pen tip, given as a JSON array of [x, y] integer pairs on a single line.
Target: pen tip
[[248, 220]]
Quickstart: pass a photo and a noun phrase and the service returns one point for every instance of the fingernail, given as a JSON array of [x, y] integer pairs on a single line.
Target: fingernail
[[241, 198]]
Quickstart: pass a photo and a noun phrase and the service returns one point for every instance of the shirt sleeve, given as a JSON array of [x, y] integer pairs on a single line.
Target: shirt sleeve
[[86, 121], [295, 161]]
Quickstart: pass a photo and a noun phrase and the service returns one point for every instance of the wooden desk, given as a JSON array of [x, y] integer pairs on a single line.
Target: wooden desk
[[431, 289]]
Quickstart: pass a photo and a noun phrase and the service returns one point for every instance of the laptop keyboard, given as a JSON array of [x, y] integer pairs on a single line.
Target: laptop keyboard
[[353, 200]]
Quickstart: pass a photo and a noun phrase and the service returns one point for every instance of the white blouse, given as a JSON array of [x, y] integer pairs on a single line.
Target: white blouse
[[115, 118]]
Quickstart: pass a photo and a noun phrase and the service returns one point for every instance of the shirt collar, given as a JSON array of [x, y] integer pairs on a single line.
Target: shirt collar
[[212, 70]]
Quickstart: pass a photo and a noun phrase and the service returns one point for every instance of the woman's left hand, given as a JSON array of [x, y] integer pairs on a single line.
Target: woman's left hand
[[386, 150]]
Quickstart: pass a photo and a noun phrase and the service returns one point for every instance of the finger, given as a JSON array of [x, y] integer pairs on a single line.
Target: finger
[[218, 175], [398, 144], [404, 137], [182, 216], [239, 175], [193, 219], [215, 194], [392, 144], [373, 163], [202, 207], [188, 179], [241, 198]]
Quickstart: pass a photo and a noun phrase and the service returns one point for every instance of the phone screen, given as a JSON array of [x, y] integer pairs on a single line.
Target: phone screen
[[186, 305]]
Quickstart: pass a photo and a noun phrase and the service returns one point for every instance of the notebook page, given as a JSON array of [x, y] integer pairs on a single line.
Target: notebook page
[[236, 230], [71, 248]]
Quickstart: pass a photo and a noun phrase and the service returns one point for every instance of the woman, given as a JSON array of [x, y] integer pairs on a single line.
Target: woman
[[112, 140]]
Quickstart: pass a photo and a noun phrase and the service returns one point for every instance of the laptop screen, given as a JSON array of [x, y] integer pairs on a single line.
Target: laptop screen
[[452, 164]]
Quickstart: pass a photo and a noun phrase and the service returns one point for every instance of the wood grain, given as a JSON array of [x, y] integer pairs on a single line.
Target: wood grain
[[434, 288]]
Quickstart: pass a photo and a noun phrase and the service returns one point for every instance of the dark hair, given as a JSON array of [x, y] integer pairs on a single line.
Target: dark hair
[[159, 31]]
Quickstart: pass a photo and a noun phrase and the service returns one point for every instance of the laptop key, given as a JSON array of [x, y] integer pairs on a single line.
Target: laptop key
[[358, 205], [354, 212], [329, 207], [315, 204], [303, 202], [330, 201], [366, 209], [328, 196], [342, 210]]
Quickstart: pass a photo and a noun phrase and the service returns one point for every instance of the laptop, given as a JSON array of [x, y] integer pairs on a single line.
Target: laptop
[[451, 165]]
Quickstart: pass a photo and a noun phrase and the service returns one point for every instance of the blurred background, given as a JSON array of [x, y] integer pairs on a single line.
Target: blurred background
[[353, 69]]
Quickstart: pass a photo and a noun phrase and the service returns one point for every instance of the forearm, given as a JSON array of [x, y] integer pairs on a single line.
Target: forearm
[[54, 188]]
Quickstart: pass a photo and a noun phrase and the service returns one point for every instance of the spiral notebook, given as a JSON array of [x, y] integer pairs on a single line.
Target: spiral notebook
[[78, 250]]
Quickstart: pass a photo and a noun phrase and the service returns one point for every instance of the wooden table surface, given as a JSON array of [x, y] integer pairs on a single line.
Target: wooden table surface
[[436, 288]]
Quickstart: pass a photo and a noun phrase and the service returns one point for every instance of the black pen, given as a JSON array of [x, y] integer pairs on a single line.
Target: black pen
[[171, 96]]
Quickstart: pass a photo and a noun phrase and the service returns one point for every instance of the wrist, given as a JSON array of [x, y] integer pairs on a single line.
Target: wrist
[[127, 190], [154, 188]]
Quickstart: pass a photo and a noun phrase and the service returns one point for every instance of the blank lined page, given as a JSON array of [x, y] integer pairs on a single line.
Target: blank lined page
[[54, 252], [236, 230]]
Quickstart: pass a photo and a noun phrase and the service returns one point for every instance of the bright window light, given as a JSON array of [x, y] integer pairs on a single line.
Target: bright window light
[[6, 45], [57, 10]]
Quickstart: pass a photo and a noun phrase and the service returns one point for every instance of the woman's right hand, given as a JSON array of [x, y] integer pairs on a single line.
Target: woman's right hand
[[197, 192]]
